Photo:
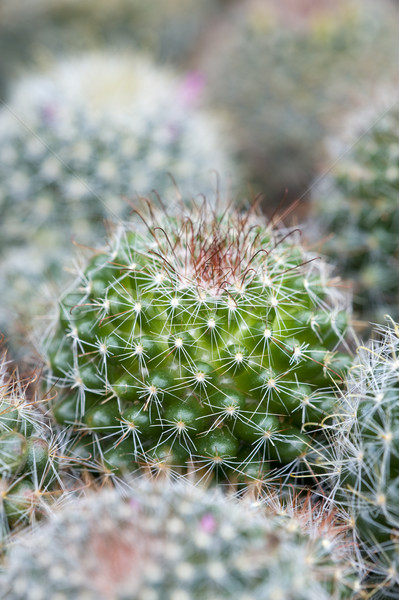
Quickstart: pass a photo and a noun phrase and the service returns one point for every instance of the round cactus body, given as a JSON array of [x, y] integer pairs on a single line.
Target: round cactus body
[[204, 342], [367, 436], [28, 456], [286, 73], [80, 141], [175, 542], [358, 204]]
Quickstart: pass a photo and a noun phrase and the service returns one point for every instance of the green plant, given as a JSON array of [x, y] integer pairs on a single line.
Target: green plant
[[29, 469], [205, 341], [177, 542], [358, 205], [286, 73], [367, 464], [77, 143]]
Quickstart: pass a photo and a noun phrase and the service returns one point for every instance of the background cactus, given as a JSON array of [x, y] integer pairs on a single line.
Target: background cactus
[[193, 544], [35, 30], [77, 142], [358, 205], [209, 339], [286, 72], [367, 477]]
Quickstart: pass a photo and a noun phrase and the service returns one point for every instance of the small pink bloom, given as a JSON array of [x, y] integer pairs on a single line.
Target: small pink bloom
[[208, 523]]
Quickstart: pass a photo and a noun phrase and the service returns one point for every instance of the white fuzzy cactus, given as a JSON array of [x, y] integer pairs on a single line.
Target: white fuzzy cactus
[[177, 542], [80, 140]]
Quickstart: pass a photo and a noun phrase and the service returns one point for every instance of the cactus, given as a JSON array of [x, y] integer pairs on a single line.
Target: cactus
[[359, 205], [367, 477], [286, 73], [29, 469], [75, 144], [169, 30], [206, 341], [177, 542]]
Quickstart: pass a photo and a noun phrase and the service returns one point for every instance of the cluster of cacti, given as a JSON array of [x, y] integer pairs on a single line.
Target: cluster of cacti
[[358, 205], [29, 480], [287, 71], [80, 141], [366, 460], [32, 30], [208, 341], [176, 542], [199, 342]]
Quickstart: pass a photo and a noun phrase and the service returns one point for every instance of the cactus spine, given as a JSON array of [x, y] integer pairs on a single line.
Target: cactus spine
[[205, 341]]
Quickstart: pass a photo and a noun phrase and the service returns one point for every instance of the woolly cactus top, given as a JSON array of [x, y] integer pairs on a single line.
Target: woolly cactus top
[[209, 339], [175, 542], [77, 143], [359, 205]]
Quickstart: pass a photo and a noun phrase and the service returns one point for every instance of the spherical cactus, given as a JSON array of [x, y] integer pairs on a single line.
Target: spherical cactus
[[367, 477], [286, 73], [208, 340], [177, 542], [77, 143], [358, 205], [29, 455]]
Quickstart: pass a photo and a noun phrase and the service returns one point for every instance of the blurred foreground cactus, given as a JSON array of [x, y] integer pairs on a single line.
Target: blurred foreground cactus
[[177, 542], [367, 439], [210, 341], [76, 144], [358, 205], [286, 72]]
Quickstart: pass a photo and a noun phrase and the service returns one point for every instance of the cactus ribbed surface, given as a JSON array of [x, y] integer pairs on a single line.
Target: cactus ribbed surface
[[28, 456], [358, 205], [80, 141], [176, 542], [367, 436], [208, 339]]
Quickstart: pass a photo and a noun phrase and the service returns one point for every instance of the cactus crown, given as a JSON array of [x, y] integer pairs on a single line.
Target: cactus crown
[[207, 338], [193, 544]]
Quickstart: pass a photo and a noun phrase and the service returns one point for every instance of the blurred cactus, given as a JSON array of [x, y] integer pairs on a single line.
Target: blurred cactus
[[34, 30], [358, 205], [205, 341], [80, 140], [176, 542], [366, 463], [286, 72]]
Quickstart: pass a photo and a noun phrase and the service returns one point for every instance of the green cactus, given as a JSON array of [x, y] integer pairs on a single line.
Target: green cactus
[[177, 542], [206, 341], [359, 205], [78, 142], [29, 470], [367, 464], [286, 73]]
